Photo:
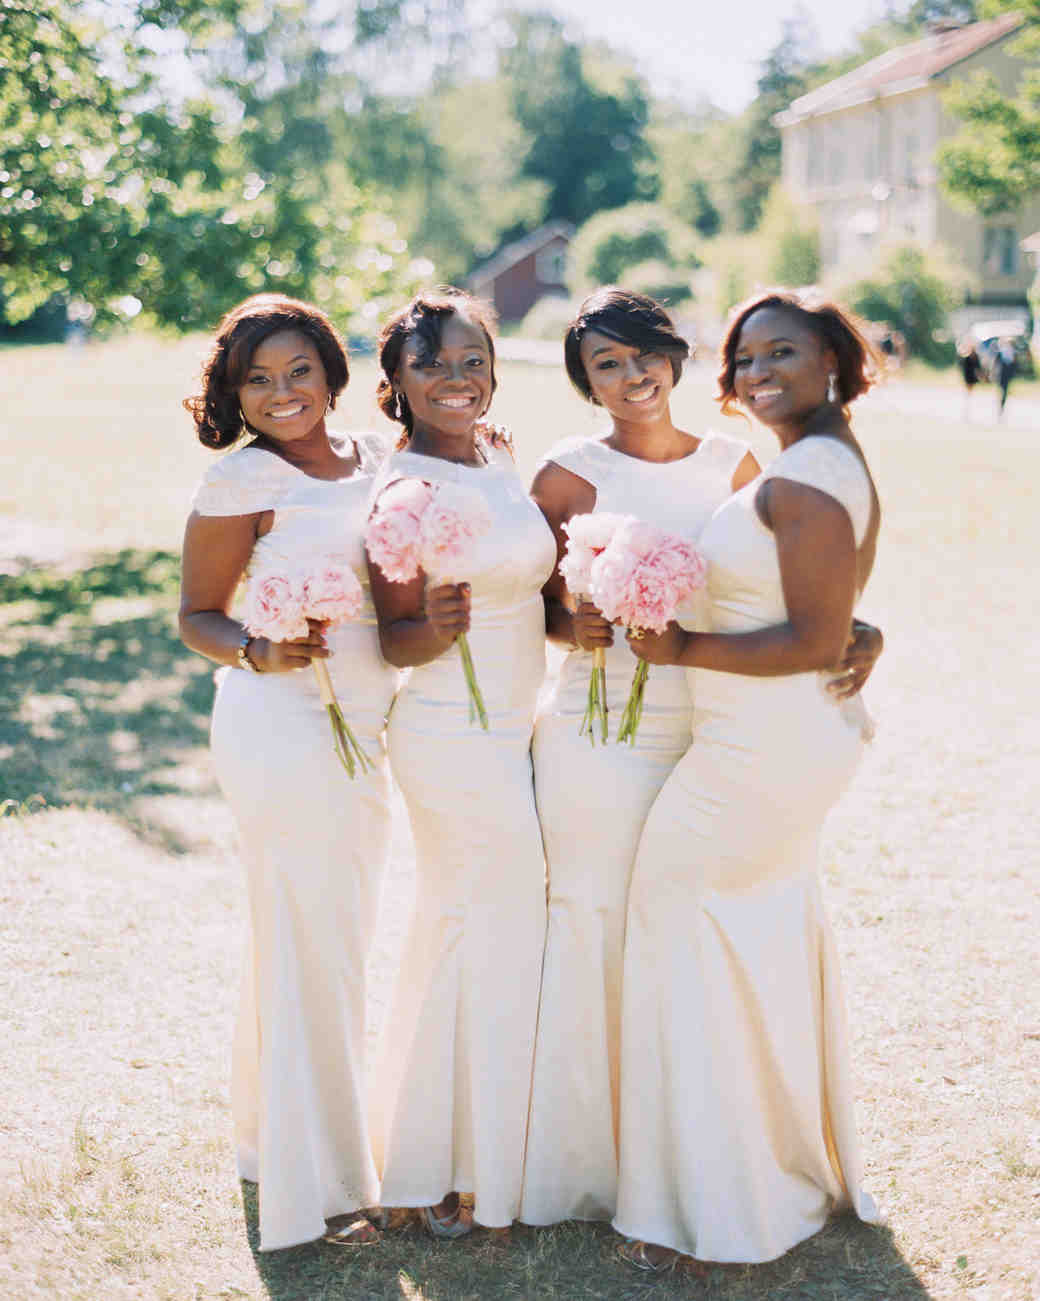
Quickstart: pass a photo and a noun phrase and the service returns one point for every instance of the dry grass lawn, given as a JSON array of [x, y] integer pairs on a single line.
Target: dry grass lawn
[[122, 900]]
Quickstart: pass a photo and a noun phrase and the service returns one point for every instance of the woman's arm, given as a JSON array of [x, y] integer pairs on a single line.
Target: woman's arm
[[817, 555], [417, 624], [560, 495], [216, 551]]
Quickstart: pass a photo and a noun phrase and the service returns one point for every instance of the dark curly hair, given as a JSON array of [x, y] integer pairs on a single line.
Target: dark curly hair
[[217, 415], [424, 318], [859, 364], [629, 318]]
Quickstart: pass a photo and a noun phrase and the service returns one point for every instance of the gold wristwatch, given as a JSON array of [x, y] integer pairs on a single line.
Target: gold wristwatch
[[242, 654]]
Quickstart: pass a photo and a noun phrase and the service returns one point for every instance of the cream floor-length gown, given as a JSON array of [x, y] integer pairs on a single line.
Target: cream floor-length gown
[[451, 1096], [315, 844], [592, 803], [737, 1128]]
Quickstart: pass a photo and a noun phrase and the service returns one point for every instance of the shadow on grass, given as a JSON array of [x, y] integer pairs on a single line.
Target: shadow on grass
[[848, 1261], [100, 703]]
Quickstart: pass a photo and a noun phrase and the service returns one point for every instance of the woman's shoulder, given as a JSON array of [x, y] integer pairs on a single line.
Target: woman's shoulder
[[577, 450], [373, 448], [722, 451], [833, 466], [244, 481]]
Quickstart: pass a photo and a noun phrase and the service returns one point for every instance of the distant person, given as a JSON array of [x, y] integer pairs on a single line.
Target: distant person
[[1004, 368], [971, 370]]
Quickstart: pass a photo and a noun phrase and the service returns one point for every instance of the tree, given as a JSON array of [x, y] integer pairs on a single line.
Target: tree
[[618, 239], [111, 196], [781, 80], [993, 163], [912, 291], [586, 144]]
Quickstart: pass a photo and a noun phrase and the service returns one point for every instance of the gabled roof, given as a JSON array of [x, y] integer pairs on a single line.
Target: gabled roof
[[513, 253], [907, 67]]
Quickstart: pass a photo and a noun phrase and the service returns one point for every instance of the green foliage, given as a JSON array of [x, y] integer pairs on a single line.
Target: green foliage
[[913, 292], [613, 241], [791, 241], [691, 178], [993, 163], [113, 200], [659, 280], [756, 162], [585, 143]]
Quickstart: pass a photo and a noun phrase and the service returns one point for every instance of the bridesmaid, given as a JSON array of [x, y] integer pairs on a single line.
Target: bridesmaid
[[622, 352], [452, 1093], [314, 842], [737, 1128]]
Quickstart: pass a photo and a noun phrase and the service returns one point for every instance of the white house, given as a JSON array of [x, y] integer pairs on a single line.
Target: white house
[[860, 152]]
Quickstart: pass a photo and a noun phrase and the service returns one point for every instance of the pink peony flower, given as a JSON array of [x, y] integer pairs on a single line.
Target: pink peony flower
[[274, 607], [644, 574], [331, 592], [587, 537], [392, 535], [454, 519]]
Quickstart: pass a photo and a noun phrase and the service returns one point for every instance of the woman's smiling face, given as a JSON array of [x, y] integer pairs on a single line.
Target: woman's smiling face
[[285, 393], [450, 390], [629, 381], [780, 367]]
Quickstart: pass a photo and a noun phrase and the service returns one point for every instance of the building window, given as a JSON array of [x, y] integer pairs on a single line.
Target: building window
[[1000, 251], [550, 266]]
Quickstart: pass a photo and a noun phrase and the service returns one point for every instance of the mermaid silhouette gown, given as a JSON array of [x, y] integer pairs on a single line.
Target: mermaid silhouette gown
[[737, 1128], [592, 803], [451, 1094], [314, 844]]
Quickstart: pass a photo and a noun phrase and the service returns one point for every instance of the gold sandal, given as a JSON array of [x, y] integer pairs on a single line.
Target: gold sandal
[[359, 1232]]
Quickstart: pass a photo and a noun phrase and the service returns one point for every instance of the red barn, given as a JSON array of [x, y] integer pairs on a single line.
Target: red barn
[[524, 271]]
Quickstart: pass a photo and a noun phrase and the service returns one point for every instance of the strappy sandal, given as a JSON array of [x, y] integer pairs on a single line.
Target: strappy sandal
[[634, 1253], [360, 1232], [456, 1224]]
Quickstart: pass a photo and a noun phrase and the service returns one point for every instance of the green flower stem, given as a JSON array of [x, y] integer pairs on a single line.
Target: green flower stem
[[348, 749], [476, 700], [630, 719], [596, 707]]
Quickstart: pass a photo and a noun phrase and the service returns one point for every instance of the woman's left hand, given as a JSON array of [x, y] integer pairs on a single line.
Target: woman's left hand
[[864, 646], [658, 647]]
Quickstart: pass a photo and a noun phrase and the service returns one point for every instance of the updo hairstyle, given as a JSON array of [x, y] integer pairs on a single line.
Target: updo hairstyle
[[628, 318], [859, 364], [216, 412], [424, 318]]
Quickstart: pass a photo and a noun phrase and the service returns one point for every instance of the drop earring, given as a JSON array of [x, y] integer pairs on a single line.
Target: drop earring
[[832, 387]]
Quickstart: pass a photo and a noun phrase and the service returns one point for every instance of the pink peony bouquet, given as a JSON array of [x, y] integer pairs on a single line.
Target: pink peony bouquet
[[430, 527], [277, 606], [640, 579], [587, 538]]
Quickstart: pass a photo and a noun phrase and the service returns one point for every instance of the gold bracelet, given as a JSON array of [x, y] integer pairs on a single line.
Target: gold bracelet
[[242, 653]]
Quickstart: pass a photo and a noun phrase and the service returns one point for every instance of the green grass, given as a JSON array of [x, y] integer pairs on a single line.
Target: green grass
[[122, 898]]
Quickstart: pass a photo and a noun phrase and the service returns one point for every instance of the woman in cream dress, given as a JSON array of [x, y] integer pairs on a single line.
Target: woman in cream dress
[[623, 353], [314, 842], [737, 1128], [451, 1095]]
